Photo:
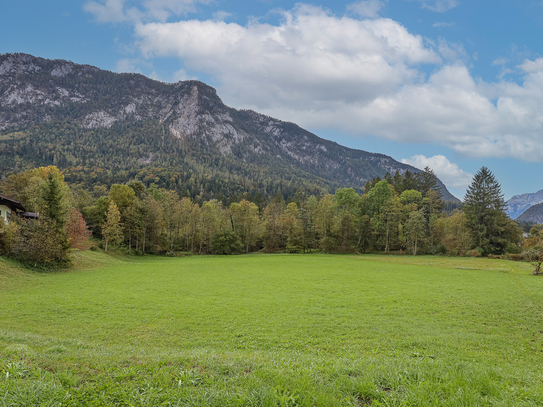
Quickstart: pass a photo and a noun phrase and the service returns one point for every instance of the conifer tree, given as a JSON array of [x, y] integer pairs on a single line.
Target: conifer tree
[[52, 198], [484, 207]]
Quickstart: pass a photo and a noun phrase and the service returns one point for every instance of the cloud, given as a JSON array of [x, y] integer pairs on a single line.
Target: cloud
[[453, 109], [441, 24], [110, 11], [221, 15], [361, 76], [438, 5], [127, 65], [140, 10], [182, 75], [312, 59], [448, 172], [367, 8], [500, 61], [451, 51], [532, 66]]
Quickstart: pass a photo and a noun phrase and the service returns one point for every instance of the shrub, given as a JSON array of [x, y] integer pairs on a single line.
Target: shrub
[[513, 249], [439, 249], [226, 242], [495, 256], [514, 257], [39, 243]]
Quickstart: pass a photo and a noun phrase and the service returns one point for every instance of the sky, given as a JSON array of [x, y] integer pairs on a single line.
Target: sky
[[450, 84]]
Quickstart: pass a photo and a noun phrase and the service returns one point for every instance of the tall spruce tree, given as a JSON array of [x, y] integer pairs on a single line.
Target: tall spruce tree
[[484, 207], [53, 209]]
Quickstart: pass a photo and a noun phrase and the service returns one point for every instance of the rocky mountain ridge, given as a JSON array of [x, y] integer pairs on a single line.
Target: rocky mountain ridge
[[36, 91], [519, 204]]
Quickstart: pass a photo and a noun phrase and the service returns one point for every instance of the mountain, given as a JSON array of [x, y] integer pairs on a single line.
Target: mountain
[[518, 204], [104, 127], [534, 214]]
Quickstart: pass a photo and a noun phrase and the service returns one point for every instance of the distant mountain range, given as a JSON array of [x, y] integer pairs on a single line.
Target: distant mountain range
[[104, 127], [519, 204]]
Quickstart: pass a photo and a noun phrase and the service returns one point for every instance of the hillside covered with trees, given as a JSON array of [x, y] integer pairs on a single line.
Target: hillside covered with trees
[[101, 128]]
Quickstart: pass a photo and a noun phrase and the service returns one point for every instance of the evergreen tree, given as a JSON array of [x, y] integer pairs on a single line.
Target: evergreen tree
[[484, 207], [52, 196]]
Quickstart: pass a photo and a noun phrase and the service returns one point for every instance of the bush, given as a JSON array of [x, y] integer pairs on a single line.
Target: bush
[[7, 236], [39, 244], [226, 242], [291, 248], [515, 257], [513, 249], [495, 256], [437, 250]]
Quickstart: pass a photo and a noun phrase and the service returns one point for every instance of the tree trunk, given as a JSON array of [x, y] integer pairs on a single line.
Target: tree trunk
[[386, 240]]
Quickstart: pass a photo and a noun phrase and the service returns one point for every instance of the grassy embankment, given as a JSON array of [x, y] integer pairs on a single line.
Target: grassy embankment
[[272, 330]]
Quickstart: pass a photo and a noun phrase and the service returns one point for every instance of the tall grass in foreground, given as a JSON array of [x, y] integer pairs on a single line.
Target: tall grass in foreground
[[278, 330]]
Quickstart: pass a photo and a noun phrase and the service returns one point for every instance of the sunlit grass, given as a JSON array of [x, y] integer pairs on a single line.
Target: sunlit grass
[[273, 330]]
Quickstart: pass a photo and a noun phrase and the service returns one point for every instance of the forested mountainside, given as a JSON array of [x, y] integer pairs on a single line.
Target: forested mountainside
[[518, 204], [102, 127]]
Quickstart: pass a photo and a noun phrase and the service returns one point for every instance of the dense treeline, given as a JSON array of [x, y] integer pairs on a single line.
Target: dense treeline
[[397, 214]]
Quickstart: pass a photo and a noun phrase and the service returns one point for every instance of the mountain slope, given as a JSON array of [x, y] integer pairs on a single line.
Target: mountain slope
[[83, 118], [518, 204], [534, 214]]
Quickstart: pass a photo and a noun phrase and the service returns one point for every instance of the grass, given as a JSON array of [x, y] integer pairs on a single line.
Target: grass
[[272, 330]]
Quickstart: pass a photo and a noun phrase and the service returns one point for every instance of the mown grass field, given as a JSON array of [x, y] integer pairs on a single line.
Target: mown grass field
[[272, 330]]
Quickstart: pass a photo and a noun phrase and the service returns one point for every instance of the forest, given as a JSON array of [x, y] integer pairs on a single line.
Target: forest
[[401, 214]]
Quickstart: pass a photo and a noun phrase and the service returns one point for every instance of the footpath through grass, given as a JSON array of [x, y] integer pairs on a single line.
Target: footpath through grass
[[272, 330]]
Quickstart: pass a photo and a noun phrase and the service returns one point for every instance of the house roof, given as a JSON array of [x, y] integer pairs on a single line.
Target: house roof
[[29, 215], [11, 203]]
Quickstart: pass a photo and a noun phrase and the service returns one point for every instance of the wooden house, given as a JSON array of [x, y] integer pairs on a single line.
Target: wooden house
[[11, 207]]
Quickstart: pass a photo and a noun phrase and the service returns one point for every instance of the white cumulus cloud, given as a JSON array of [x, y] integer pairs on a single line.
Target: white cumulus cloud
[[311, 60], [448, 172], [532, 66]]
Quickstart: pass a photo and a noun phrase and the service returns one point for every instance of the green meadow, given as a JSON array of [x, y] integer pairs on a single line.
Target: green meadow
[[272, 330]]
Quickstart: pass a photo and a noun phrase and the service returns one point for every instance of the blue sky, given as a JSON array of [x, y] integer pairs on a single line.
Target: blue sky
[[453, 84]]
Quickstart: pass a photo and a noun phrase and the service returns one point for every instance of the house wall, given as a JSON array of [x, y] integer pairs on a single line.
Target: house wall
[[5, 212]]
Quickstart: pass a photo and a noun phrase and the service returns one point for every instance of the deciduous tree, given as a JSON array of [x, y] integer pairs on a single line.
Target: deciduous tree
[[112, 228], [414, 229]]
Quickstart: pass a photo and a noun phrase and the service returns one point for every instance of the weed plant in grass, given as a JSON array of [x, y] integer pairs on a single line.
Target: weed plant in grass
[[272, 330]]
